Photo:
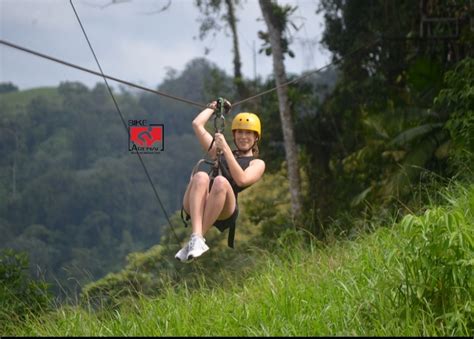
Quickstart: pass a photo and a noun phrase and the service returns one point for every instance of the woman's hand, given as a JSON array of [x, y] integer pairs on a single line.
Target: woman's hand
[[212, 105], [220, 141], [227, 105]]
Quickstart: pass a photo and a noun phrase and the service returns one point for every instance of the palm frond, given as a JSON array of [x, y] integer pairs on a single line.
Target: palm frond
[[411, 134]]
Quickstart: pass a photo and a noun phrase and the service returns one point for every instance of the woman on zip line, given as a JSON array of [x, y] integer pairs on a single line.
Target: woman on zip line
[[212, 200]]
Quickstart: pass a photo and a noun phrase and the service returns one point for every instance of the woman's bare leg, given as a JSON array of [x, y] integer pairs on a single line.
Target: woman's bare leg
[[220, 204], [195, 198]]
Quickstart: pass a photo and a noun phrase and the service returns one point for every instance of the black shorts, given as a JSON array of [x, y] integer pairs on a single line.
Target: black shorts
[[222, 225]]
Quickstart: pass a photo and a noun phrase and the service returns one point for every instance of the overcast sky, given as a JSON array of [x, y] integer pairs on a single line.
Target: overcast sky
[[136, 46]]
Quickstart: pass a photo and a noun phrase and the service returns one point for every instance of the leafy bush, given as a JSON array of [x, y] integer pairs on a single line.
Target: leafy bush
[[457, 99], [20, 296], [436, 258]]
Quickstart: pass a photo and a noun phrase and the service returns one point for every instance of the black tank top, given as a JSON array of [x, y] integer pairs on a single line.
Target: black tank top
[[243, 162]]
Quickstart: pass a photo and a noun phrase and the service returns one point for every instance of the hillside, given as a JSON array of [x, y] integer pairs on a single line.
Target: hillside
[[18, 101], [411, 278]]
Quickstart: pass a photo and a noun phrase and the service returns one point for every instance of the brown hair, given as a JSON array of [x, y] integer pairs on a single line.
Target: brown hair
[[255, 150]]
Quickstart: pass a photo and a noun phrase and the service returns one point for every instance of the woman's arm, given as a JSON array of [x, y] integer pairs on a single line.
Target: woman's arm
[[204, 137], [242, 178]]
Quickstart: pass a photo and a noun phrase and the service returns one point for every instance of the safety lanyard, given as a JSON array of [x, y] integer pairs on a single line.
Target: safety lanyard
[[221, 109]]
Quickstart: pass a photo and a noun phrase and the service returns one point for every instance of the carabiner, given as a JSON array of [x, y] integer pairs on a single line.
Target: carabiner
[[222, 126]]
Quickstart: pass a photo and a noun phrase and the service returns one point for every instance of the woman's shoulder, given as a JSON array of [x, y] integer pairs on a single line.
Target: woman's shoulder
[[250, 158], [257, 161]]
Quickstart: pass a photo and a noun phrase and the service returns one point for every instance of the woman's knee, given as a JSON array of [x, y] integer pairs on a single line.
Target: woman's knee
[[220, 185], [200, 178]]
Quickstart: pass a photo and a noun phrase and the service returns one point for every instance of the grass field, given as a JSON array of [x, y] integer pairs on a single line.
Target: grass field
[[412, 278]]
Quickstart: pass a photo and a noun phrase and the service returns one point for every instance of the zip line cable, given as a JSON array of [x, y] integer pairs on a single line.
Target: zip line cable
[[65, 63], [123, 121], [307, 74], [41, 55]]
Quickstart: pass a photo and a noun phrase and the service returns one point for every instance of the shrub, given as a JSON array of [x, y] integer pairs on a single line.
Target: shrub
[[457, 99], [20, 296], [436, 260]]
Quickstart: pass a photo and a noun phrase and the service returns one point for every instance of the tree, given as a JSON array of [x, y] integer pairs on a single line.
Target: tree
[[211, 11], [11, 143], [457, 98], [7, 87], [276, 18], [379, 127]]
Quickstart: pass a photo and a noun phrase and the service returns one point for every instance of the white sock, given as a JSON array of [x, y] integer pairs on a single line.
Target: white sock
[[194, 235]]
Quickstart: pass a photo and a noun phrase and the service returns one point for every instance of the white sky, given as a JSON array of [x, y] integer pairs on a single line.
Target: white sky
[[134, 46]]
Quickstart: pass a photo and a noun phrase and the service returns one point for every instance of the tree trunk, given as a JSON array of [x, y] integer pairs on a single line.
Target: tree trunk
[[285, 115], [232, 21]]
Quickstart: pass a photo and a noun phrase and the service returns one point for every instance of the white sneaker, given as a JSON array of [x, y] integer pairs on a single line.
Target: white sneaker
[[197, 246], [182, 254]]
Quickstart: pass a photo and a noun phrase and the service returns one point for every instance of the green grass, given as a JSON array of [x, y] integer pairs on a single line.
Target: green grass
[[413, 278]]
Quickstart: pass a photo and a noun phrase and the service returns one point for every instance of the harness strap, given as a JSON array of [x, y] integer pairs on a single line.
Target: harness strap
[[196, 167], [185, 220], [231, 236], [217, 168]]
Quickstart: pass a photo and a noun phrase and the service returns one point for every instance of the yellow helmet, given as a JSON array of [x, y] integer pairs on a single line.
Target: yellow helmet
[[248, 121]]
